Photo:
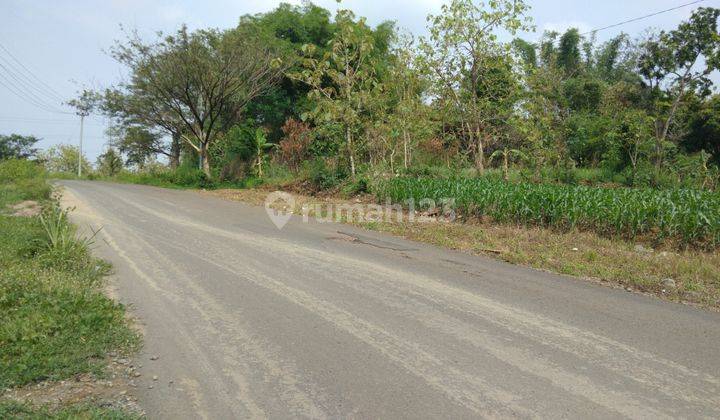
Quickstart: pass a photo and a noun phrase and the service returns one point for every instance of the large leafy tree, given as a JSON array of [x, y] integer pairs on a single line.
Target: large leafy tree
[[467, 64], [342, 79], [677, 62], [16, 146], [703, 128], [141, 125], [140, 145], [406, 85], [287, 29], [198, 79]]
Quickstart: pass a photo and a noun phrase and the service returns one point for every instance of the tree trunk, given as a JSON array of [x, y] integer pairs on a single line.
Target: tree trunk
[[479, 155], [666, 126], [405, 148], [505, 166], [175, 151], [205, 160], [348, 137]]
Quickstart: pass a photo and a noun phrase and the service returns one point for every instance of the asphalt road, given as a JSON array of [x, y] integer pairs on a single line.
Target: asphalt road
[[324, 320]]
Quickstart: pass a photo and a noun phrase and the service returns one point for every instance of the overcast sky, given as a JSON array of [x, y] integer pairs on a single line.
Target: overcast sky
[[64, 43]]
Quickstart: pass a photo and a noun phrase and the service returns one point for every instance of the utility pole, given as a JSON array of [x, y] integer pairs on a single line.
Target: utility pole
[[82, 114], [85, 103]]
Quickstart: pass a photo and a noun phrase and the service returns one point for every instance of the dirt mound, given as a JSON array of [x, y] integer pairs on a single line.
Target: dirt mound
[[28, 208]]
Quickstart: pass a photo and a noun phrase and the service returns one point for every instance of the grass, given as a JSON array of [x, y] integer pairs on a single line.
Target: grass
[[15, 410], [688, 217], [56, 320]]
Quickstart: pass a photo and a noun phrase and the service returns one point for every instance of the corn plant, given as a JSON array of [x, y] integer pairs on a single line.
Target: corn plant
[[690, 217]]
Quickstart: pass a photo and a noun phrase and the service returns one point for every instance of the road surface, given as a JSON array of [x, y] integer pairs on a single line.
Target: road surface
[[325, 320]]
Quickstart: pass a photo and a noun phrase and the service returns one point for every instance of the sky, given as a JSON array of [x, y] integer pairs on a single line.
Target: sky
[[61, 45]]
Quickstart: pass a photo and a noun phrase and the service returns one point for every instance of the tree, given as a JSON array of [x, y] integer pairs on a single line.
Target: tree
[[287, 29], [295, 143], [568, 55], [672, 63], [64, 158], [703, 129], [140, 144], [109, 163], [469, 67], [260, 148], [16, 146], [406, 85], [139, 121], [506, 155], [632, 132], [342, 79], [86, 102], [198, 78]]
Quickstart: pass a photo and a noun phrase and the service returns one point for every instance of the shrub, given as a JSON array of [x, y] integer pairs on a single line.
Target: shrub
[[295, 144], [17, 169], [323, 177]]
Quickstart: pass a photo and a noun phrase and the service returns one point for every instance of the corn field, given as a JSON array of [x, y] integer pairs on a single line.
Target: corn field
[[689, 217]]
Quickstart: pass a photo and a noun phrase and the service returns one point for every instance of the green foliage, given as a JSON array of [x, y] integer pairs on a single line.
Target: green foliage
[[342, 79], [16, 146], [182, 177], [109, 163], [60, 235], [288, 27], [703, 129], [370, 97], [20, 169], [63, 158], [323, 176], [16, 410], [568, 55], [690, 217], [22, 180], [468, 68]]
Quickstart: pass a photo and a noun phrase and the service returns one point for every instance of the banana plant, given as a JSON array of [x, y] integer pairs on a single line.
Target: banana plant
[[506, 155], [261, 147]]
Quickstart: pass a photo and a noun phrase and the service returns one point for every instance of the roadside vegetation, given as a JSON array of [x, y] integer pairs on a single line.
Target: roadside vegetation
[[56, 320], [688, 217]]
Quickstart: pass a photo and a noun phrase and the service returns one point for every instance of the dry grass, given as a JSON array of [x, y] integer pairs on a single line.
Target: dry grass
[[614, 262]]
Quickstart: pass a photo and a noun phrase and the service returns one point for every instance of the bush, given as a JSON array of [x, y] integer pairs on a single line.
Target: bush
[[359, 185], [22, 180], [190, 177], [17, 169], [323, 177]]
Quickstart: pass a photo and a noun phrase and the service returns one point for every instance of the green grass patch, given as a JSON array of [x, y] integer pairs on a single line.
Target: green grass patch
[[56, 322], [15, 410]]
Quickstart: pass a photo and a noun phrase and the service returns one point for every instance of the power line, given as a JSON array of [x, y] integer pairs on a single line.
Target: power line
[[642, 17], [25, 87], [45, 121], [8, 84], [49, 88], [28, 91]]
